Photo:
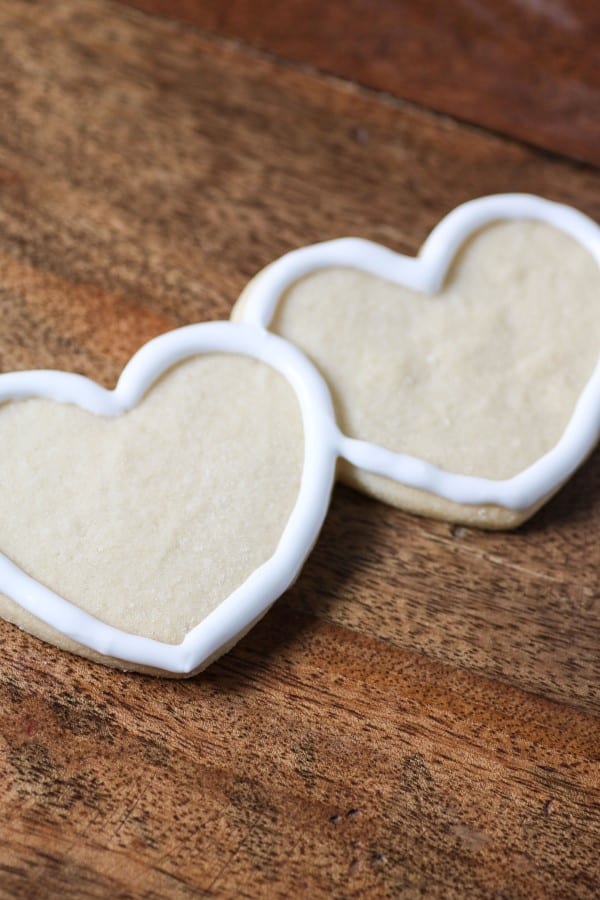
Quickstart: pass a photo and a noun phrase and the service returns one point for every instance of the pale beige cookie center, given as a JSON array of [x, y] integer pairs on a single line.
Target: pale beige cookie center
[[480, 379], [149, 520]]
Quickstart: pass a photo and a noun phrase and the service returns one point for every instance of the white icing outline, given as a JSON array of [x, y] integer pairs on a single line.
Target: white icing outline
[[247, 603], [426, 273], [323, 441]]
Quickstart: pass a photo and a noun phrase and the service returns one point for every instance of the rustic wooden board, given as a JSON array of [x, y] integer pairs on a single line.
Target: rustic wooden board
[[529, 70], [419, 715]]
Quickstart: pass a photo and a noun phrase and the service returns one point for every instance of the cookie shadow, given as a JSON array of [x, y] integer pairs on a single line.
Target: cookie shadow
[[369, 554], [348, 542], [578, 501]]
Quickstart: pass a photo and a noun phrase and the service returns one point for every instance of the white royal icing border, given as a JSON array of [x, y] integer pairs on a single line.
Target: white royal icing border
[[248, 602], [323, 442], [426, 273]]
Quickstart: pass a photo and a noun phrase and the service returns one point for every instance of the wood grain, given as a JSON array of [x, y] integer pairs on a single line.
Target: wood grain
[[419, 715], [309, 762], [525, 69]]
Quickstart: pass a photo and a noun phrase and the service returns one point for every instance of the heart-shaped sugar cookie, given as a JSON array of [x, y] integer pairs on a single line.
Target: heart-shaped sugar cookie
[[151, 526], [467, 376]]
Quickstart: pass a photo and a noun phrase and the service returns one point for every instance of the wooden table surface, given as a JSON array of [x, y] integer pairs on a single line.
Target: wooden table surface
[[418, 717]]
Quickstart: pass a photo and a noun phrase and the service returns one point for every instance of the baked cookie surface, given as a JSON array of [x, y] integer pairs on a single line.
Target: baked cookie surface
[[150, 520], [479, 378], [151, 526]]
